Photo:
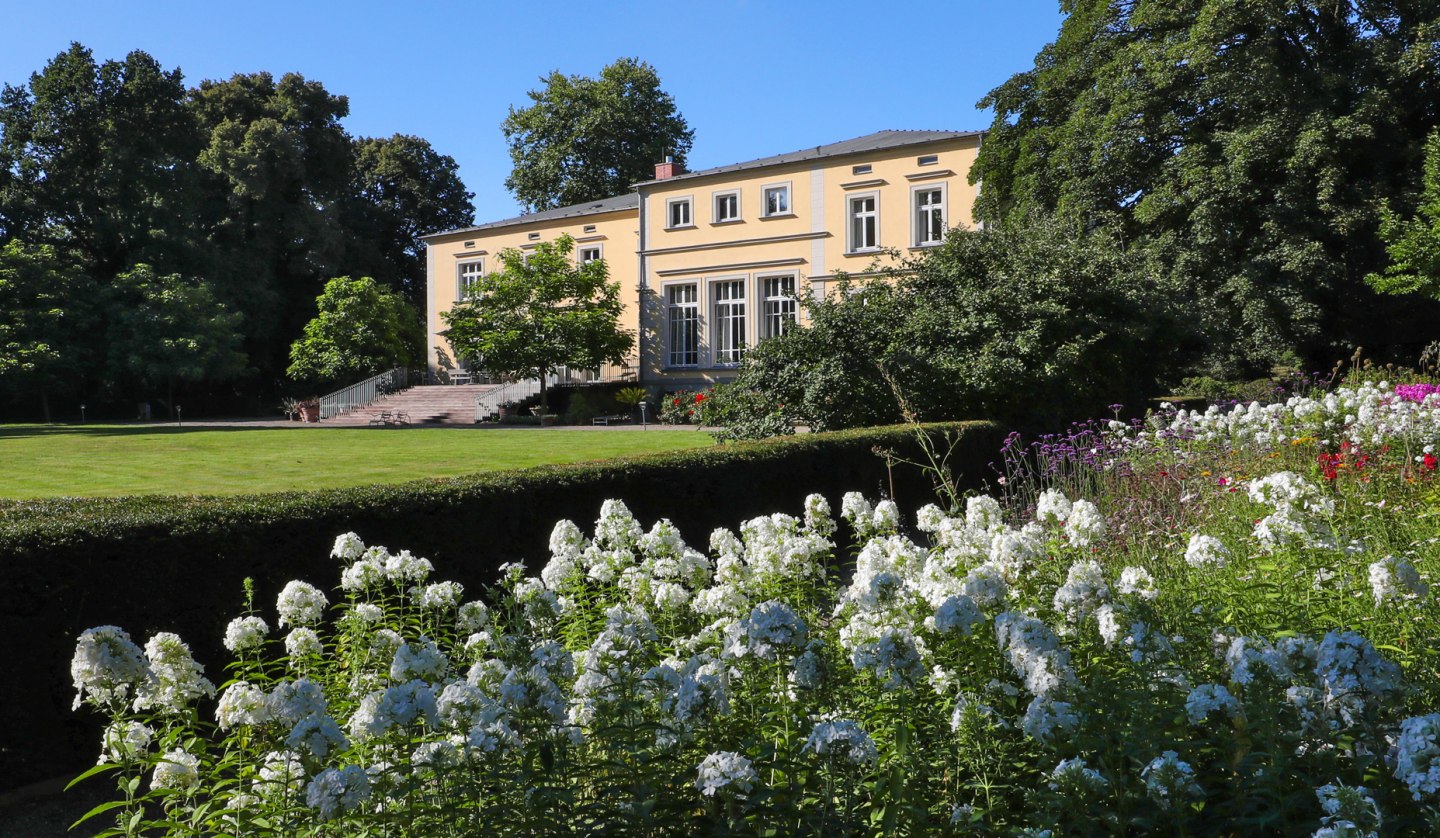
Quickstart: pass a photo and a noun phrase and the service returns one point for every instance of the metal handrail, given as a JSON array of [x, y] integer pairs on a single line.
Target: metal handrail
[[364, 393], [512, 391]]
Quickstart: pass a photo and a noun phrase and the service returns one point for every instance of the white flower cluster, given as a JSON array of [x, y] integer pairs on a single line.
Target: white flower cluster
[[178, 769], [1206, 551], [1034, 652], [726, 772], [175, 679], [300, 604], [245, 634], [1299, 511], [1072, 777], [337, 790], [1084, 591], [1170, 781], [1417, 755], [107, 666], [1207, 699], [1394, 580], [1350, 811], [843, 741], [869, 521]]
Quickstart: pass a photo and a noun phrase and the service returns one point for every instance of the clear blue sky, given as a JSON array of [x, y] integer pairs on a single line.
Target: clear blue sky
[[752, 78]]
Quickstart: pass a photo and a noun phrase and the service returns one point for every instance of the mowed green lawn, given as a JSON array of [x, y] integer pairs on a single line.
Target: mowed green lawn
[[39, 461]]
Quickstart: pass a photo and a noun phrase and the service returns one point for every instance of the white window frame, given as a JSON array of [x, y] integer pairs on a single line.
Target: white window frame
[[730, 332], [851, 215], [580, 253], [465, 279], [778, 309], [670, 206], [918, 226], [765, 200], [692, 306], [715, 200]]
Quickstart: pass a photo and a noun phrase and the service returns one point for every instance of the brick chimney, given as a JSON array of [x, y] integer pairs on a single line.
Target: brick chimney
[[668, 169]]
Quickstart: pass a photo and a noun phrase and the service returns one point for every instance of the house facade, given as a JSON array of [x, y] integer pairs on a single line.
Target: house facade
[[712, 262]]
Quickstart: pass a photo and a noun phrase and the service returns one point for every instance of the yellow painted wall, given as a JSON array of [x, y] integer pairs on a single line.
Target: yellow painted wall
[[811, 240], [615, 233]]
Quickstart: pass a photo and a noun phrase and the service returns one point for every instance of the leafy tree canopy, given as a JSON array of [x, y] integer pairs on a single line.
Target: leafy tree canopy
[[1244, 148], [167, 328], [585, 139], [1031, 324], [95, 158], [1414, 244], [362, 329], [401, 189], [538, 313], [47, 311]]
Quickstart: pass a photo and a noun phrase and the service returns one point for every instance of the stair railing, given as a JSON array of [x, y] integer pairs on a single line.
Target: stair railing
[[364, 393]]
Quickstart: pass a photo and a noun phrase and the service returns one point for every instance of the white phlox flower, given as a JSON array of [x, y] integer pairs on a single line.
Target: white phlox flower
[[726, 773], [1207, 699], [1034, 652], [1084, 591], [300, 604], [1417, 755], [842, 740], [177, 769], [1085, 526], [1170, 781], [336, 791], [1137, 581], [1394, 580], [107, 666], [245, 633], [125, 741], [175, 679], [1072, 777], [242, 703], [421, 659]]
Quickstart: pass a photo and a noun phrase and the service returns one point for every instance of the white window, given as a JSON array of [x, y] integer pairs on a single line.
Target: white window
[[588, 253], [727, 207], [677, 213], [864, 222], [776, 200], [729, 296], [683, 315], [470, 273], [929, 215], [780, 305]]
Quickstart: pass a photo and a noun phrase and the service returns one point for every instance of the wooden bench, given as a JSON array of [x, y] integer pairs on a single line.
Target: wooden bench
[[614, 417]]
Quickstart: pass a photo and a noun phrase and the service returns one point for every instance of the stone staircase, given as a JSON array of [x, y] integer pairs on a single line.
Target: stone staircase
[[428, 404]]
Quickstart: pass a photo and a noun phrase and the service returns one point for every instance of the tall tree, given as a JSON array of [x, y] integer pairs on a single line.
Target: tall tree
[[99, 159], [401, 189], [584, 139], [360, 329], [166, 328], [1244, 148], [279, 164], [47, 311], [541, 312], [1414, 244]]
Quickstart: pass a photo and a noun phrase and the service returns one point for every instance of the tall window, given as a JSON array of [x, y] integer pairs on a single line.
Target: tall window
[[780, 305], [683, 314], [678, 213], [777, 200], [727, 207], [470, 273], [588, 253], [929, 216], [864, 223], [729, 298]]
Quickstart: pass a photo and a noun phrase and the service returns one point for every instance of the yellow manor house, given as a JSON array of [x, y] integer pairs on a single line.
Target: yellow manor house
[[717, 257]]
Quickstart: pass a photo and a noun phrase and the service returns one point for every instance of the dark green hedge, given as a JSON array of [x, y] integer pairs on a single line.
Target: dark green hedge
[[151, 564]]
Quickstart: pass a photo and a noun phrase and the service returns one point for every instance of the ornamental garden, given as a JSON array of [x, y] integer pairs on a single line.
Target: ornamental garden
[[1199, 622]]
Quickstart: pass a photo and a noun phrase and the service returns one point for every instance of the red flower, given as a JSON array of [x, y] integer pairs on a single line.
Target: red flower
[[699, 397], [1430, 462], [677, 402]]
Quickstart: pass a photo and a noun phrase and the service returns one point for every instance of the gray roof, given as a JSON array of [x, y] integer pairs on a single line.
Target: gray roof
[[629, 200], [870, 142]]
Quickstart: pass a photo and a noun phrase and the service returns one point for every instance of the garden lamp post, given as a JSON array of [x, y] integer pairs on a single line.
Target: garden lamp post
[[82, 413], [179, 419], [643, 405]]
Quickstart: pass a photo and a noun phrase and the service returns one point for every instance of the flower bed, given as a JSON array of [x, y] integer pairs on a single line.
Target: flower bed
[[1220, 637]]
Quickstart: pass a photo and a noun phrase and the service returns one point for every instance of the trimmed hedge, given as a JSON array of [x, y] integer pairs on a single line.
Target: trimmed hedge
[[157, 563]]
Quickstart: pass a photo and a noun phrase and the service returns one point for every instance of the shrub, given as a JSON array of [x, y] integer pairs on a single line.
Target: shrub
[[1030, 326]]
